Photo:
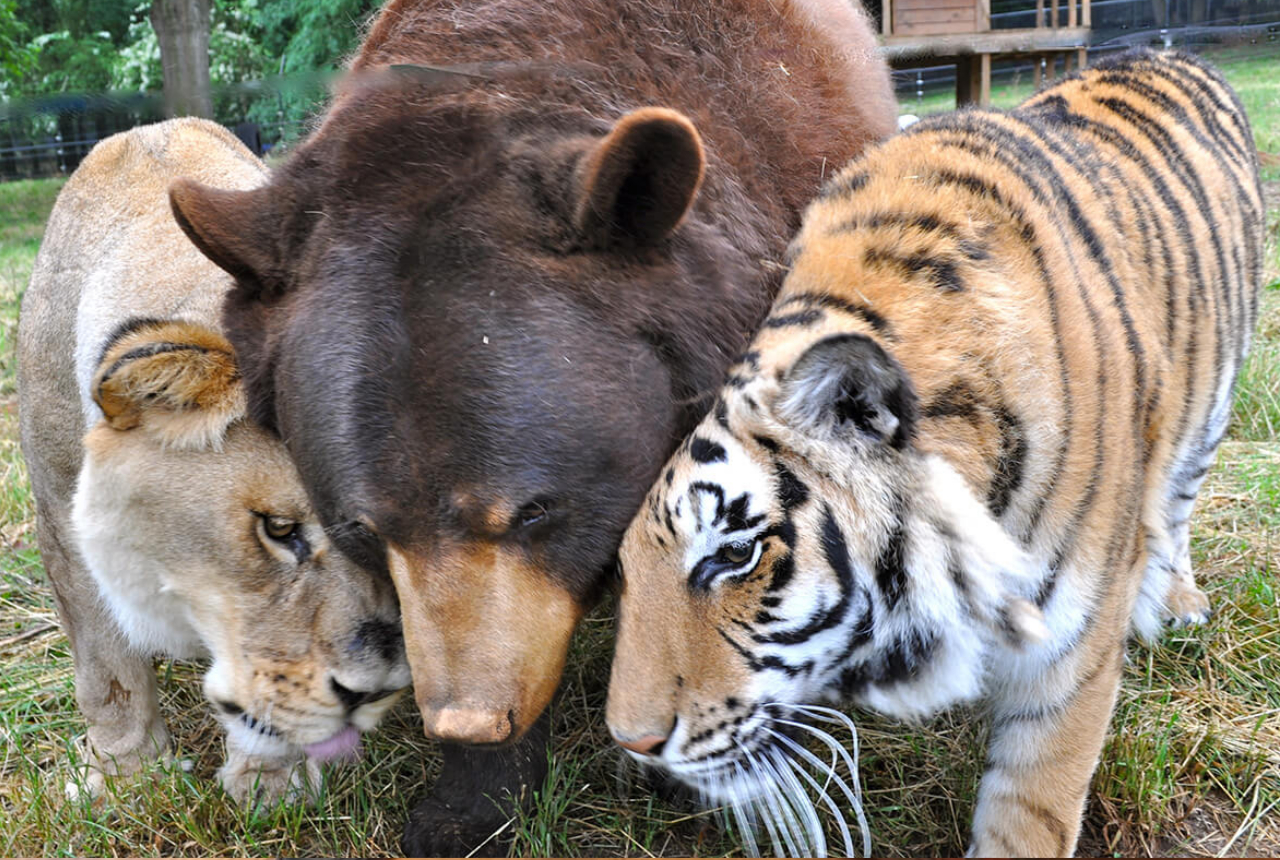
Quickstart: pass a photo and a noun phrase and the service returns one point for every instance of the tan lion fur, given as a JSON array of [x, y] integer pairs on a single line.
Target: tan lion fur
[[152, 489]]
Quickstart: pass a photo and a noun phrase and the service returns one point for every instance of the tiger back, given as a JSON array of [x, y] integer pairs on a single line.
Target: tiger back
[[960, 457]]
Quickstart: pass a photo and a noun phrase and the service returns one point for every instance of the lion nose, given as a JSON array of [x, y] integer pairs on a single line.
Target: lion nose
[[352, 699], [646, 745]]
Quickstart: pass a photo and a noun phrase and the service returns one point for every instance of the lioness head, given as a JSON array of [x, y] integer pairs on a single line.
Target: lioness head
[[196, 527]]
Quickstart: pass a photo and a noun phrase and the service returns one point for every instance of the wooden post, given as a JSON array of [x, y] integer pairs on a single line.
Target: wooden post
[[1071, 13], [1039, 13], [1039, 74], [984, 16], [1053, 21], [984, 97], [973, 80], [1086, 14], [886, 17], [1068, 63], [1082, 58]]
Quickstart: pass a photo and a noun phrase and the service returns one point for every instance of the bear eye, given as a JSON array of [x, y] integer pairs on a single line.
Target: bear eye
[[532, 513], [278, 528]]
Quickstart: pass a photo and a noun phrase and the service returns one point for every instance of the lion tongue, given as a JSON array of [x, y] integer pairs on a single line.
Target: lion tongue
[[344, 745]]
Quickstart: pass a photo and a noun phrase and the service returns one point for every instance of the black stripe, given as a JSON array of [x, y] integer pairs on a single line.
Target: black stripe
[[1180, 225], [801, 319], [891, 562], [792, 492], [125, 329], [1008, 472], [847, 184], [703, 450], [863, 312], [941, 271], [836, 551], [911, 220], [149, 350]]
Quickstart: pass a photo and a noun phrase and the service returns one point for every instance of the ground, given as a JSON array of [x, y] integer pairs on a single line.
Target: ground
[[1192, 767]]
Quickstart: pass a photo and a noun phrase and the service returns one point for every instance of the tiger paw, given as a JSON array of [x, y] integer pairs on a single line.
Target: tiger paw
[[1185, 605]]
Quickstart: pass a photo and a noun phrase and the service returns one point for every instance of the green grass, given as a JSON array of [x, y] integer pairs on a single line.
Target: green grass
[[1192, 765], [26, 205]]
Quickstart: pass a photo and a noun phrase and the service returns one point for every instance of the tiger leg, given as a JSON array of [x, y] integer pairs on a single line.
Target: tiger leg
[[1040, 760], [1168, 595]]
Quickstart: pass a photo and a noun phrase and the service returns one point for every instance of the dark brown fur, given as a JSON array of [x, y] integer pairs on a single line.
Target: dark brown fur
[[510, 286]]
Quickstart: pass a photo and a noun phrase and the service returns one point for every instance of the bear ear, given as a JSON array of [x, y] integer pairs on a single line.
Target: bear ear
[[176, 379], [636, 184], [235, 229], [847, 384]]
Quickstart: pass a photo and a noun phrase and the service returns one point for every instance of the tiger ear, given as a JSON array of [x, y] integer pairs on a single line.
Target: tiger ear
[[636, 184], [847, 384], [176, 380]]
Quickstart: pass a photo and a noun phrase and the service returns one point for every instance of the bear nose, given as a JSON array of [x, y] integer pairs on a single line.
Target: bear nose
[[352, 699], [646, 745]]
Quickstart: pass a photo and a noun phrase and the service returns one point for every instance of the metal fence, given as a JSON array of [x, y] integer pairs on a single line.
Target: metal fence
[[49, 136], [1118, 25]]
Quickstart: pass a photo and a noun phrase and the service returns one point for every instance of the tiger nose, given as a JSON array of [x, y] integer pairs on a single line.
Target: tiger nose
[[646, 745]]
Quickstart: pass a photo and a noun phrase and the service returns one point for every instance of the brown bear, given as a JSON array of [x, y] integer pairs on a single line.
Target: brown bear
[[486, 298]]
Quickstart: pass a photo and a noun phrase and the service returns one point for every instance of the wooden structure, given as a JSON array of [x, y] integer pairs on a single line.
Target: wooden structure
[[918, 33]]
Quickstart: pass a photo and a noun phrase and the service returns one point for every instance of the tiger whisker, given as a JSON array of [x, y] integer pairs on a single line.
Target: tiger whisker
[[846, 837], [824, 796], [766, 813], [781, 813], [854, 799], [814, 837], [744, 816]]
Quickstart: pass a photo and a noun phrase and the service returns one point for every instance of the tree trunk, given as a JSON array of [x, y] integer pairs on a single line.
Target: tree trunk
[[182, 28]]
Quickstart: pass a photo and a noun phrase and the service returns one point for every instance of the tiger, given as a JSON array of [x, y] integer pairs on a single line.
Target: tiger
[[958, 461]]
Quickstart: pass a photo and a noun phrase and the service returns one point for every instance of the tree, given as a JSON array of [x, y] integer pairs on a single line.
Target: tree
[[182, 28]]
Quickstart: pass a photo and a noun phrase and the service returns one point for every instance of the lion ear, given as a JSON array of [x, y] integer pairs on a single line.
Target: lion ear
[[637, 183], [177, 380], [237, 230]]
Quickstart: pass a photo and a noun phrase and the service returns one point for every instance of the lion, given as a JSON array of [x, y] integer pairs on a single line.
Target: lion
[[168, 522]]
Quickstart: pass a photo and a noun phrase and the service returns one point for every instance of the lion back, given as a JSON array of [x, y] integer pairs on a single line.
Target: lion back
[[112, 251]]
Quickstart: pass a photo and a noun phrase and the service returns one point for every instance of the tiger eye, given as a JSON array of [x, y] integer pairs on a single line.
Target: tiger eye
[[737, 553]]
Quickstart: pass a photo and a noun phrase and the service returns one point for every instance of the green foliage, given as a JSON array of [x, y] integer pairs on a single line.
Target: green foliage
[[313, 34], [304, 36], [16, 57]]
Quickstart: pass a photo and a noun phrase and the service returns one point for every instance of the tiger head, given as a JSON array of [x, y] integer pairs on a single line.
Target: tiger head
[[801, 545]]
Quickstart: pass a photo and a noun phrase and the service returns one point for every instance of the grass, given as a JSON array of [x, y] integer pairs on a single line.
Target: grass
[[1192, 765]]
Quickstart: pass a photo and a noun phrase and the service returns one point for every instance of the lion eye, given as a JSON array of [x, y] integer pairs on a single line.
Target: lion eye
[[279, 528]]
